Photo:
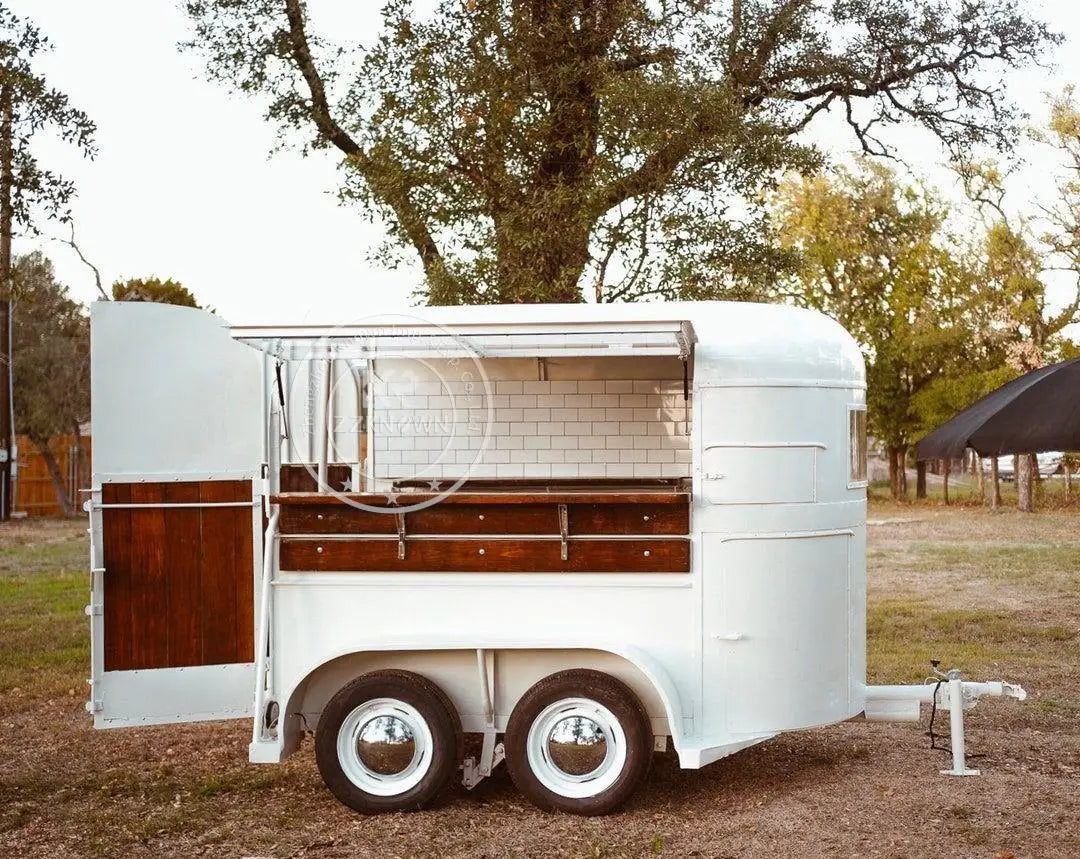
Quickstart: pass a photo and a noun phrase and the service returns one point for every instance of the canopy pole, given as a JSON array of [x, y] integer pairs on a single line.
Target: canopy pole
[[323, 425]]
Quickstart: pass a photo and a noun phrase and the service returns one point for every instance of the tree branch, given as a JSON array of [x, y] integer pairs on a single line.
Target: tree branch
[[97, 274], [397, 198], [650, 176], [636, 60], [300, 49]]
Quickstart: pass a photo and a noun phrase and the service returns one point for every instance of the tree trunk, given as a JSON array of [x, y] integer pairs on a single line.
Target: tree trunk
[[1025, 497], [945, 480], [59, 485], [77, 456], [894, 475], [548, 273], [897, 475], [995, 484], [982, 477], [920, 479], [7, 431]]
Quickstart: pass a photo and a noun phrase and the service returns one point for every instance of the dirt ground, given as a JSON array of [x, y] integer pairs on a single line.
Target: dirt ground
[[997, 593]]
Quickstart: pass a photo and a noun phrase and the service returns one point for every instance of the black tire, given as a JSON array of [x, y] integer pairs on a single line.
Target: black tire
[[428, 702], [598, 688]]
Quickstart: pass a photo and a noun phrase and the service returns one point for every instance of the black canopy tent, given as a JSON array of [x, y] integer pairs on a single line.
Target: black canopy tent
[[1037, 412]]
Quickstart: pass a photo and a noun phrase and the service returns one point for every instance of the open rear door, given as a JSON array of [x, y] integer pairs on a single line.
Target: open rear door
[[175, 515]]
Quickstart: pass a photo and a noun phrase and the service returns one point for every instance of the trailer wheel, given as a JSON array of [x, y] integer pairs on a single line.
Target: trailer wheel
[[388, 741], [578, 741]]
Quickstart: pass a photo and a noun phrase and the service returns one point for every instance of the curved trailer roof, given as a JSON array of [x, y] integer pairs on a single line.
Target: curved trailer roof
[[731, 340]]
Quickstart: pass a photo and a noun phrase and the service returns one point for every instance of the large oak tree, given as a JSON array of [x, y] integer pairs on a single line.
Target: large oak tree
[[527, 150]]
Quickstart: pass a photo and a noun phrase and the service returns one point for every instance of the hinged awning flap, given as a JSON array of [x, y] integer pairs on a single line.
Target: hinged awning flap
[[483, 341]]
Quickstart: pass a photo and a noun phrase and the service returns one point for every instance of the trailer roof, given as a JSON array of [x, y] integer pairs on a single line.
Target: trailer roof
[[730, 340], [409, 335]]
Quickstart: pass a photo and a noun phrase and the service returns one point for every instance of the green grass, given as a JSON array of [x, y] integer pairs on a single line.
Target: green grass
[[44, 635], [964, 490], [904, 635]]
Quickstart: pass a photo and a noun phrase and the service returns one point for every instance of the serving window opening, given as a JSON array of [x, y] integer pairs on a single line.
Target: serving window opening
[[418, 408]]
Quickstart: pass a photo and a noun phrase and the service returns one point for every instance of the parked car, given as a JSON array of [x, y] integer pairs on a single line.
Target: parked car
[[1049, 464]]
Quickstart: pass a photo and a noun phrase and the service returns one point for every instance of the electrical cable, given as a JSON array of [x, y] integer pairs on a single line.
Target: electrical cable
[[933, 713]]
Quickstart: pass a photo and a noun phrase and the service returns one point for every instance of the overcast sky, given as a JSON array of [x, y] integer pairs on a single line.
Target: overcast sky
[[183, 185]]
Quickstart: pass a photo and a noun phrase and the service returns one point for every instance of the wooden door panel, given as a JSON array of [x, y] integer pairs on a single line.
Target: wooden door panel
[[179, 581]]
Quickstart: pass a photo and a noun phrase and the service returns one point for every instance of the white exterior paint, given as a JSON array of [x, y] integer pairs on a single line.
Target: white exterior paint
[[171, 394], [766, 633]]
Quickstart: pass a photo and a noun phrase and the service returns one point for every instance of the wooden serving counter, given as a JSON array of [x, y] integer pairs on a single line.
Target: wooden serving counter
[[486, 527]]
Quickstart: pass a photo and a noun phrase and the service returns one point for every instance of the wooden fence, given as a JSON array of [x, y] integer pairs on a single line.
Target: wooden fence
[[35, 494]]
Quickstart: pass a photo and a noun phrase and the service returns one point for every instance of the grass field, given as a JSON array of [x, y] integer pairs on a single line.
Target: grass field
[[996, 593]]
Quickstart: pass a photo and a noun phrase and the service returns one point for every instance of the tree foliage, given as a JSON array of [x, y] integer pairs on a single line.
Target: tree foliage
[[153, 289], [51, 346], [526, 150], [36, 107], [878, 257], [1019, 252]]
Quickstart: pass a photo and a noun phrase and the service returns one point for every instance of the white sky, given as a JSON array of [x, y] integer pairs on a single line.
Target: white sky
[[183, 185]]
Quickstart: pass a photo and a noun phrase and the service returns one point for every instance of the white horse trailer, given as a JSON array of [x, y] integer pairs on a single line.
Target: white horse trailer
[[571, 531]]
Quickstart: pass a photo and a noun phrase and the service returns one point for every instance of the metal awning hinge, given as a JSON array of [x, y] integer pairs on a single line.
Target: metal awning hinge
[[92, 610]]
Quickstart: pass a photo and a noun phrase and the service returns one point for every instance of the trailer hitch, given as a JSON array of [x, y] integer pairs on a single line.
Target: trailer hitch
[[948, 692]]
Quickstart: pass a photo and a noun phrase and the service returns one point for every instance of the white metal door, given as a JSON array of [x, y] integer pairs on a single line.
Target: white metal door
[[172, 608], [777, 629]]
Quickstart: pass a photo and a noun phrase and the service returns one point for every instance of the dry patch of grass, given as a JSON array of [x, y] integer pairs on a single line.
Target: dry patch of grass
[[995, 594]]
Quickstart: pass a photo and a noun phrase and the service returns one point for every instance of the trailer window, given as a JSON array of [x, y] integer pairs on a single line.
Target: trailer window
[[857, 444]]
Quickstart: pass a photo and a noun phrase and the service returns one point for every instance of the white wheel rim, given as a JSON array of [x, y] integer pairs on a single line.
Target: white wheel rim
[[360, 773], [547, 771]]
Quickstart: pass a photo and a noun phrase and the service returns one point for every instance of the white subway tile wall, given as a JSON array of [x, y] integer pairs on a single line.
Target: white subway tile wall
[[589, 428]]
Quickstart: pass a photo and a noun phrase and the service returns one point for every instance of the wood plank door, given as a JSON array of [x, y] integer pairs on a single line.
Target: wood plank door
[[176, 637]]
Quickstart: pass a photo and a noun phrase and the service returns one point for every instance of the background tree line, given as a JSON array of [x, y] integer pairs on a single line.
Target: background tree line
[[51, 353], [615, 150], [948, 300]]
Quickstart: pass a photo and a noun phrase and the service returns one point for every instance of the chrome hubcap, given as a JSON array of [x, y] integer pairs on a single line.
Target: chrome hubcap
[[577, 745], [576, 748], [385, 747]]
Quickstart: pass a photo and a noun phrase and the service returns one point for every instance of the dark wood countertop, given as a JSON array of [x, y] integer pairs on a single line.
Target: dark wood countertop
[[622, 495]]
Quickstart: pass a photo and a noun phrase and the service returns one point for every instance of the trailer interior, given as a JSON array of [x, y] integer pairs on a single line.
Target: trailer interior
[[546, 450]]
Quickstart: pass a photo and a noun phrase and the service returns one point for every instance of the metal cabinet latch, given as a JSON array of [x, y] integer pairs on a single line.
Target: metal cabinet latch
[[400, 518], [564, 532]]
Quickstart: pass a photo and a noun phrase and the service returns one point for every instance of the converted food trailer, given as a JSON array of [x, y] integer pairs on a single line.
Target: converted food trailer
[[569, 532]]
